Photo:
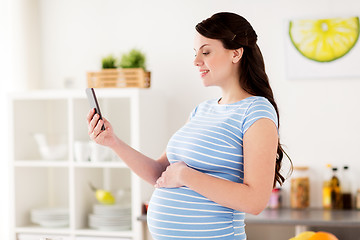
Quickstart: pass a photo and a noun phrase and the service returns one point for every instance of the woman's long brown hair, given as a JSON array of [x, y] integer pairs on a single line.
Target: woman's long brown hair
[[235, 32]]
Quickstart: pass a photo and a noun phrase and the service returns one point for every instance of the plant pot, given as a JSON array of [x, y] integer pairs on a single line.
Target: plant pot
[[119, 78]]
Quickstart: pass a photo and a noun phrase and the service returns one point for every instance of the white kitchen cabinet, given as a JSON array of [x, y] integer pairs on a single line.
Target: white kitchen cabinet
[[137, 116]]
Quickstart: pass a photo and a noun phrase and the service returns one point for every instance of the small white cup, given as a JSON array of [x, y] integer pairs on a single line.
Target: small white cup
[[98, 153], [82, 151]]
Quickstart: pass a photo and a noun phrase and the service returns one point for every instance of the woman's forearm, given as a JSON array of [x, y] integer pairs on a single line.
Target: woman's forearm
[[241, 197], [146, 168]]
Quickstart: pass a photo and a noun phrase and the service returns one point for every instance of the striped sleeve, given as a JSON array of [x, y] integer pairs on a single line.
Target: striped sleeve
[[260, 108]]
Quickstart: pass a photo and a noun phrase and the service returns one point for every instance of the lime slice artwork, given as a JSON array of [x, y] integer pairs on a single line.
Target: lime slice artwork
[[324, 40]]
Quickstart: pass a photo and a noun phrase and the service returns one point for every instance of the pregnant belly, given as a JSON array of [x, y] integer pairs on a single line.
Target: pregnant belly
[[180, 213]]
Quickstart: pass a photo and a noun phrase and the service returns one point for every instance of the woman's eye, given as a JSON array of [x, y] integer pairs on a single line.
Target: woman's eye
[[204, 53]]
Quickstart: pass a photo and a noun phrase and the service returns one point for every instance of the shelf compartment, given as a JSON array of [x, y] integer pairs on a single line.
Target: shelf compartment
[[110, 179], [39, 187], [46, 117]]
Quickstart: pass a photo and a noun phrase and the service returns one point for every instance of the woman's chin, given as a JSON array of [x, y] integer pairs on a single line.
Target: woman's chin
[[206, 83]]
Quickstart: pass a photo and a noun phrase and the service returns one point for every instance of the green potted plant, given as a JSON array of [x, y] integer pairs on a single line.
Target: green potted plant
[[108, 62], [133, 59]]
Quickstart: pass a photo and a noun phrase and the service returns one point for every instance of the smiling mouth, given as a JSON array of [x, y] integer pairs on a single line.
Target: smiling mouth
[[204, 72]]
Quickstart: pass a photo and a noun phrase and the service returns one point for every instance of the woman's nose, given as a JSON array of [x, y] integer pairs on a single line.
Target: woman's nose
[[197, 61]]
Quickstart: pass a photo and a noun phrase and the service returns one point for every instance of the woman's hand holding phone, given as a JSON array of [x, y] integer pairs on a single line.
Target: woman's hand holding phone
[[104, 137]]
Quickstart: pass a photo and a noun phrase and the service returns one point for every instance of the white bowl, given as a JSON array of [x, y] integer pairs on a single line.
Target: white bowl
[[51, 147]]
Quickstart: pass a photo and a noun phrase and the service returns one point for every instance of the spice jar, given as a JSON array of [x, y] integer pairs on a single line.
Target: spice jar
[[275, 199], [300, 188]]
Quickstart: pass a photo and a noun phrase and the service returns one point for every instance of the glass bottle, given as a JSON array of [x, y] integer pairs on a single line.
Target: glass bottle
[[300, 188], [358, 199], [326, 189], [346, 189], [335, 190]]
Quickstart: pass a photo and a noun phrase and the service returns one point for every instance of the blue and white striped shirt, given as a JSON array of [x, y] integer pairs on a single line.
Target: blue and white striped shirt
[[211, 142]]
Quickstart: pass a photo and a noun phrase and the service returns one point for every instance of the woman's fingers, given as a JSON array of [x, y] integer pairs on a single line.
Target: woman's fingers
[[106, 122], [159, 182], [90, 115], [93, 123], [97, 129]]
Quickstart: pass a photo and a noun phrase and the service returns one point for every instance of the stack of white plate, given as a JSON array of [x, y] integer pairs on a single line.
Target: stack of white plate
[[110, 217], [50, 217], [40, 236]]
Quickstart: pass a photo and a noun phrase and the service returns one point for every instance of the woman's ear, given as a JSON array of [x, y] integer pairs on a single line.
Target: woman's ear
[[237, 54]]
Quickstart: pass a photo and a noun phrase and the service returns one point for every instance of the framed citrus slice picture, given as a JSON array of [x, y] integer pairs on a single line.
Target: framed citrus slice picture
[[327, 47]]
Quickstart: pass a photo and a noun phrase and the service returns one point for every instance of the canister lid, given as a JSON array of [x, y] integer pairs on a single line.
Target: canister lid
[[301, 168]]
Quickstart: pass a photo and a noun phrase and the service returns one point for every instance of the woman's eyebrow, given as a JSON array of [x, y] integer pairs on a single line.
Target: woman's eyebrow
[[206, 44]]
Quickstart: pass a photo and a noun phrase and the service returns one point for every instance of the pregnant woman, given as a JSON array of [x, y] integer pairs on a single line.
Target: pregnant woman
[[226, 159]]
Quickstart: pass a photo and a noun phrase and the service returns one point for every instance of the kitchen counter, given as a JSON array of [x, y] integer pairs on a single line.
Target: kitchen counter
[[302, 220], [307, 217]]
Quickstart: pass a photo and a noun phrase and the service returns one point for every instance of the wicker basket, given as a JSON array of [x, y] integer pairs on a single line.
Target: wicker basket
[[121, 77]]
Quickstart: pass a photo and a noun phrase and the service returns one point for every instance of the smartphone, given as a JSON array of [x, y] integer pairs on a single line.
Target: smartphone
[[90, 92]]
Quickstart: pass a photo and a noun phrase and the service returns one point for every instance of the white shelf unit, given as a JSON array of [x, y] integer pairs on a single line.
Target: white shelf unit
[[138, 118]]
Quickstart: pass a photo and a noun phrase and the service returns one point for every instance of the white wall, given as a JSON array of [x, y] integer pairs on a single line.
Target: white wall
[[5, 85], [319, 118]]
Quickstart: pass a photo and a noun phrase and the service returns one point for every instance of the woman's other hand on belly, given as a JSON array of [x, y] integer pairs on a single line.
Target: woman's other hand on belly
[[171, 177]]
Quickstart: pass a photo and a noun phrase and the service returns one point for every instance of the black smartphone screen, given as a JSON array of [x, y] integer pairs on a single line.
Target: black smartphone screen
[[93, 102]]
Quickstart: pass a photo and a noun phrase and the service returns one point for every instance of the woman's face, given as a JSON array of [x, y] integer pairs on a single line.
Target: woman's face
[[215, 63]]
